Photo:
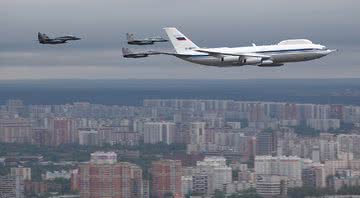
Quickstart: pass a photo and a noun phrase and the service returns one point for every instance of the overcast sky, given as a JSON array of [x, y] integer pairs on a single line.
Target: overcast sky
[[103, 23]]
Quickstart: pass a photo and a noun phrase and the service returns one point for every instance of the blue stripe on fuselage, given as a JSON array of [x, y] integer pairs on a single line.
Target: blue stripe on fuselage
[[287, 50], [270, 51]]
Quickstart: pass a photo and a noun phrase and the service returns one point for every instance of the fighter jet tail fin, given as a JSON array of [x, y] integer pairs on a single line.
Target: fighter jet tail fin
[[129, 36], [126, 51], [42, 37], [181, 43], [39, 36]]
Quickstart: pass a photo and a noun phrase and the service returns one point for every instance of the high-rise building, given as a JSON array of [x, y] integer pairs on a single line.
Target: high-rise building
[[200, 183], [75, 180], [166, 178], [315, 153], [217, 171], [213, 120], [14, 106], [146, 188], [281, 165], [63, 131], [11, 186], [103, 176], [349, 143], [314, 176], [234, 125], [125, 138], [198, 133], [23, 172], [323, 124], [336, 111], [103, 158], [89, 137], [329, 150], [41, 136], [197, 137], [271, 186], [186, 184], [15, 131], [155, 132], [266, 143]]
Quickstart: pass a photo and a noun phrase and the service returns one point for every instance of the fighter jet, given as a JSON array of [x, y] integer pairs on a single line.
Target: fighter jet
[[294, 50], [44, 39], [129, 54], [147, 41]]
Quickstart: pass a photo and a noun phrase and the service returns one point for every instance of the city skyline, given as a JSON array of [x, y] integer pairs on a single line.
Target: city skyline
[[178, 147]]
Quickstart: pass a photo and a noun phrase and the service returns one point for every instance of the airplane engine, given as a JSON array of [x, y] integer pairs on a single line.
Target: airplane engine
[[269, 63], [251, 61], [230, 59], [236, 60]]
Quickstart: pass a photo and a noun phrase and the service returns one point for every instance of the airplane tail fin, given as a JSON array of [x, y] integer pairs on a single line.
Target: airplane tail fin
[[41, 37], [129, 36], [181, 43], [126, 51]]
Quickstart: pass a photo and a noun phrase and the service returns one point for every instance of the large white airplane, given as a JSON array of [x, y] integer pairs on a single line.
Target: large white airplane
[[295, 50]]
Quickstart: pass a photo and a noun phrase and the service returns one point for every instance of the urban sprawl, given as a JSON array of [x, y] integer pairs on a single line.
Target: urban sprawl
[[179, 148]]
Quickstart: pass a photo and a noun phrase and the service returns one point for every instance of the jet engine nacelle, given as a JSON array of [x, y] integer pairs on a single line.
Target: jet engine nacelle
[[251, 60], [269, 63], [230, 59], [238, 60]]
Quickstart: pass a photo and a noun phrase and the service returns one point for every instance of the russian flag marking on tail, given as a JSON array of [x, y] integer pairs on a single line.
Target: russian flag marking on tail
[[181, 43]]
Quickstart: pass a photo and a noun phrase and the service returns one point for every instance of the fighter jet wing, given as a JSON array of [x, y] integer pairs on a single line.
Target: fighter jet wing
[[219, 53], [127, 53], [58, 39]]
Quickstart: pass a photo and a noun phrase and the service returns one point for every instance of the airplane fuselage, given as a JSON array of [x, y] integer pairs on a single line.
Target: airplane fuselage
[[293, 50], [146, 41], [44, 39], [54, 42], [142, 42], [68, 38], [280, 54]]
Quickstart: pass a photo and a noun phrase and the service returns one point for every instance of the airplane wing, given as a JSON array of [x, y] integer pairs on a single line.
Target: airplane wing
[[59, 39], [219, 53]]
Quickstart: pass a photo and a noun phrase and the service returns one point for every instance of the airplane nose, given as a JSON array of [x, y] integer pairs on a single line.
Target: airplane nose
[[329, 51]]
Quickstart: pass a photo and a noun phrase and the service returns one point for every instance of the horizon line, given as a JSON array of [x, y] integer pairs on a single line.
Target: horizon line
[[175, 79]]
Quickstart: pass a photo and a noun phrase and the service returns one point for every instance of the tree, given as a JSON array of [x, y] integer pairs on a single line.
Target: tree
[[268, 130], [244, 123], [4, 170], [309, 191], [248, 193], [304, 130], [349, 190], [64, 183], [168, 195], [219, 194]]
